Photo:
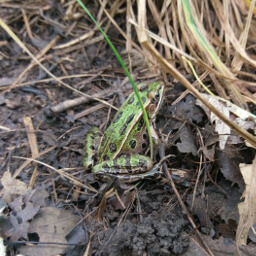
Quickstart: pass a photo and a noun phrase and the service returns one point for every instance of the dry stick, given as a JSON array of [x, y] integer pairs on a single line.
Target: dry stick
[[89, 111], [121, 31], [25, 5], [27, 24], [160, 25], [75, 41], [197, 181], [237, 61], [186, 92], [80, 100], [73, 48], [226, 26], [47, 80], [112, 12], [33, 145], [166, 43], [62, 174], [219, 89], [128, 33], [5, 128]]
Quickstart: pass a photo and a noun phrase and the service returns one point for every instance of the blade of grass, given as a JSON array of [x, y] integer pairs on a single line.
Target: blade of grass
[[145, 116]]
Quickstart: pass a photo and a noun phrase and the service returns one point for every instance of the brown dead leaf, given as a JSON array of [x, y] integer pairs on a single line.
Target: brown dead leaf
[[20, 220], [221, 246], [51, 225], [247, 208], [17, 223], [220, 127], [227, 108], [187, 142], [12, 187], [228, 161], [23, 204]]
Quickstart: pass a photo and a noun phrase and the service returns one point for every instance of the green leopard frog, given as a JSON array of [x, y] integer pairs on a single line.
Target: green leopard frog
[[119, 151]]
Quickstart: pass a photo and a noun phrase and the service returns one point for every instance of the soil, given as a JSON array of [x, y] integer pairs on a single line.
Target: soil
[[144, 220]]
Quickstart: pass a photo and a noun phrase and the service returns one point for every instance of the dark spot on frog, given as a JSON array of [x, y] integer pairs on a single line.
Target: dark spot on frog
[[131, 100], [92, 147], [133, 144], [92, 137], [144, 99], [86, 155], [140, 124], [145, 136], [118, 117], [144, 145], [122, 129], [129, 119], [112, 147], [106, 158]]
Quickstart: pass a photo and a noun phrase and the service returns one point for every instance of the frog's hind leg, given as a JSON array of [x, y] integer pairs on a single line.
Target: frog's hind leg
[[91, 145], [125, 164], [154, 173]]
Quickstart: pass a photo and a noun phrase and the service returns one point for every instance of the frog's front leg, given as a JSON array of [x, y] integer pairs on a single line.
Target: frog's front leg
[[91, 145]]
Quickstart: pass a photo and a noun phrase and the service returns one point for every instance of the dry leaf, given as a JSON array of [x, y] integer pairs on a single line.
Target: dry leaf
[[51, 225], [226, 108], [247, 208], [12, 187], [20, 220], [220, 127]]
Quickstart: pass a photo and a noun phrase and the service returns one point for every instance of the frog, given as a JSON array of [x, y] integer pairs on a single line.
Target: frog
[[119, 151]]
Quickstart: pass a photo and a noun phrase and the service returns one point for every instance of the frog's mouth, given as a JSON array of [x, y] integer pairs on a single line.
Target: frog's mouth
[[156, 101]]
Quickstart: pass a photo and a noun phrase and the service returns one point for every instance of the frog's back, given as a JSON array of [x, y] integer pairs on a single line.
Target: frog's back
[[126, 127]]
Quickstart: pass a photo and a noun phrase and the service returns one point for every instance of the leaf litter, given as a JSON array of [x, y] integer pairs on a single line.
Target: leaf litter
[[29, 214]]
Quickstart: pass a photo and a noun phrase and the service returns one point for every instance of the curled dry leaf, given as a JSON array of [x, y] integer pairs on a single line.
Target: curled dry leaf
[[247, 208], [220, 127], [227, 108]]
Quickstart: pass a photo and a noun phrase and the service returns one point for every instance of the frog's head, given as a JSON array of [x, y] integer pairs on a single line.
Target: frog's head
[[155, 95]]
